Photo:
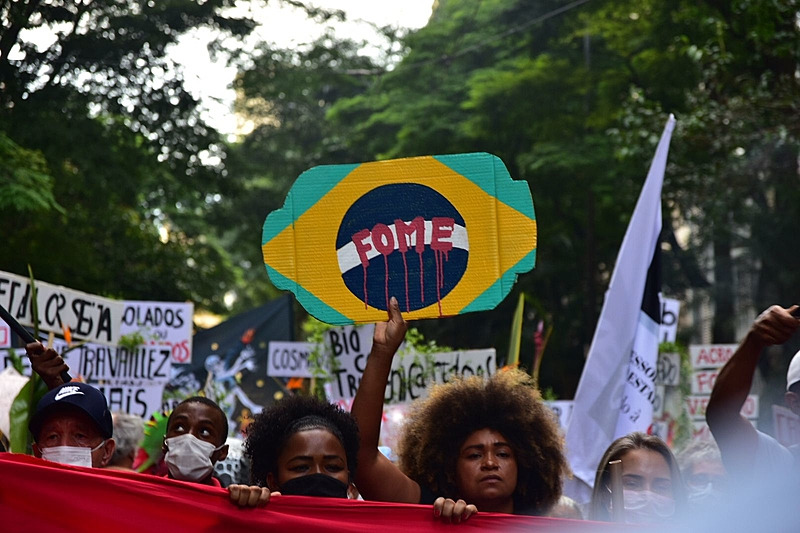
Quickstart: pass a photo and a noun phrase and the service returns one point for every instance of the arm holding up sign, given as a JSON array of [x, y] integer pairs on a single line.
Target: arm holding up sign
[[737, 439], [378, 478], [47, 363]]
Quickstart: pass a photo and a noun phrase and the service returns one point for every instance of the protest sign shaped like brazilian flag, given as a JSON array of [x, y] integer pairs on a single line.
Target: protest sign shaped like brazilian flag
[[445, 235]]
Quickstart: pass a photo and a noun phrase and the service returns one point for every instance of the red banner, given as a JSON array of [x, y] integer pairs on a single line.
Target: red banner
[[37, 495]]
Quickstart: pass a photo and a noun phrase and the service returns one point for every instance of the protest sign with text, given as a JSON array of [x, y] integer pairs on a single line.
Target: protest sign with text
[[710, 355], [88, 317], [166, 324], [411, 373], [131, 380], [289, 359]]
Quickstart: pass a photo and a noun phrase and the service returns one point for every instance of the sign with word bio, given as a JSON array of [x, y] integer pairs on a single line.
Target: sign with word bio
[[411, 373], [445, 235]]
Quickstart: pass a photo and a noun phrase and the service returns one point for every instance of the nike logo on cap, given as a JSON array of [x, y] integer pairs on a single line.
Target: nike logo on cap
[[67, 391]]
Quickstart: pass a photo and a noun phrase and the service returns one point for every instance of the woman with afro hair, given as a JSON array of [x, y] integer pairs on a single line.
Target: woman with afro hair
[[489, 441]]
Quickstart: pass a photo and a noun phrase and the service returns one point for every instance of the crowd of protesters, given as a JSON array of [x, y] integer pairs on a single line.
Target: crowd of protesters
[[479, 444]]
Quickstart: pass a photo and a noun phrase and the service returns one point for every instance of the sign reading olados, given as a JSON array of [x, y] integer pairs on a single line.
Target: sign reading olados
[[445, 235]]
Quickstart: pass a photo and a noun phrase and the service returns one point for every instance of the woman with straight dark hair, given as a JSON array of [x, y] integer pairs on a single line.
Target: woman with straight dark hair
[[652, 487]]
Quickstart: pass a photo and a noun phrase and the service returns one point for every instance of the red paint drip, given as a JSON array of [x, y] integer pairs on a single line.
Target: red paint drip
[[441, 257], [386, 279], [364, 268], [438, 259], [405, 270], [421, 279]]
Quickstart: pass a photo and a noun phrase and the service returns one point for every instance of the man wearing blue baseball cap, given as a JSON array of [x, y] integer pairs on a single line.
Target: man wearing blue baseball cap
[[72, 425]]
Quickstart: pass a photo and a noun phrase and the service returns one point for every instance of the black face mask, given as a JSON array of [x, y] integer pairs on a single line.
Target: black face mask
[[315, 485]]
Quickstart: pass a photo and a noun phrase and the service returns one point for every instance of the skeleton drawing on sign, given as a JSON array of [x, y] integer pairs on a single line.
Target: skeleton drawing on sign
[[222, 381], [224, 378]]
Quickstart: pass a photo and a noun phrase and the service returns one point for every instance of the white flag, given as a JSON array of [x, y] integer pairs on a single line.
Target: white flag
[[616, 388]]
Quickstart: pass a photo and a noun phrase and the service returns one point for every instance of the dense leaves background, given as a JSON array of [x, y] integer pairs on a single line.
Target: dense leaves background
[[111, 183]]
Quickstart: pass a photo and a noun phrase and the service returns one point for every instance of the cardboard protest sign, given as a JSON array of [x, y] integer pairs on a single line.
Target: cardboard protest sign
[[668, 330], [5, 335], [562, 409], [132, 381], [167, 324], [444, 234], [89, 317], [696, 406], [711, 355], [289, 359], [786, 425], [411, 373]]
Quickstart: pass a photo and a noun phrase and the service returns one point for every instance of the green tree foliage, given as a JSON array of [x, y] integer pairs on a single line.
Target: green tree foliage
[[573, 98], [25, 185], [286, 94], [106, 112]]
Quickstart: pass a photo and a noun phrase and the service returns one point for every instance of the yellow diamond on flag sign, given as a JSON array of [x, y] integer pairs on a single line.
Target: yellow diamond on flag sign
[[444, 234]]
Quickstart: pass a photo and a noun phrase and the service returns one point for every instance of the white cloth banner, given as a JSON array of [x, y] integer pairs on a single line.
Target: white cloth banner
[[616, 388], [89, 317]]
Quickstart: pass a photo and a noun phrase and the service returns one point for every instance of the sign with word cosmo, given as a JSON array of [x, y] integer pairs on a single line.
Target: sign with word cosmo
[[289, 359], [445, 235]]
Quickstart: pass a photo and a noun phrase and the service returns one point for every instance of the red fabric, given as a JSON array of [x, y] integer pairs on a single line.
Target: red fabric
[[37, 495], [214, 481]]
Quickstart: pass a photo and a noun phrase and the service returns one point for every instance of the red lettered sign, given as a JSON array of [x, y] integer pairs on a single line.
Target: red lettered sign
[[710, 355]]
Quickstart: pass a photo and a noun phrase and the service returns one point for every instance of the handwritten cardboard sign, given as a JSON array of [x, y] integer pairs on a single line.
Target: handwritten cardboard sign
[[444, 234], [5, 334], [703, 381], [132, 381], [289, 359], [165, 324], [710, 355], [411, 374], [786, 425], [668, 330], [696, 406], [99, 320]]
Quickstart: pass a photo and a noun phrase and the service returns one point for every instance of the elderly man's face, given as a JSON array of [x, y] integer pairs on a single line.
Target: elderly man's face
[[70, 426]]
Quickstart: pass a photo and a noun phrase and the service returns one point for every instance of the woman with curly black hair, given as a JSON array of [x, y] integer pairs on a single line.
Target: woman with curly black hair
[[309, 447], [303, 445], [491, 442]]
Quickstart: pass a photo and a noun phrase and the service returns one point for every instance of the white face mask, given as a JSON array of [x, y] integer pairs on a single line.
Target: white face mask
[[189, 458], [70, 455], [645, 507]]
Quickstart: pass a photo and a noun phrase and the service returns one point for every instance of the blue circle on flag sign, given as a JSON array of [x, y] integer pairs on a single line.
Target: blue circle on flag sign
[[404, 240]]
